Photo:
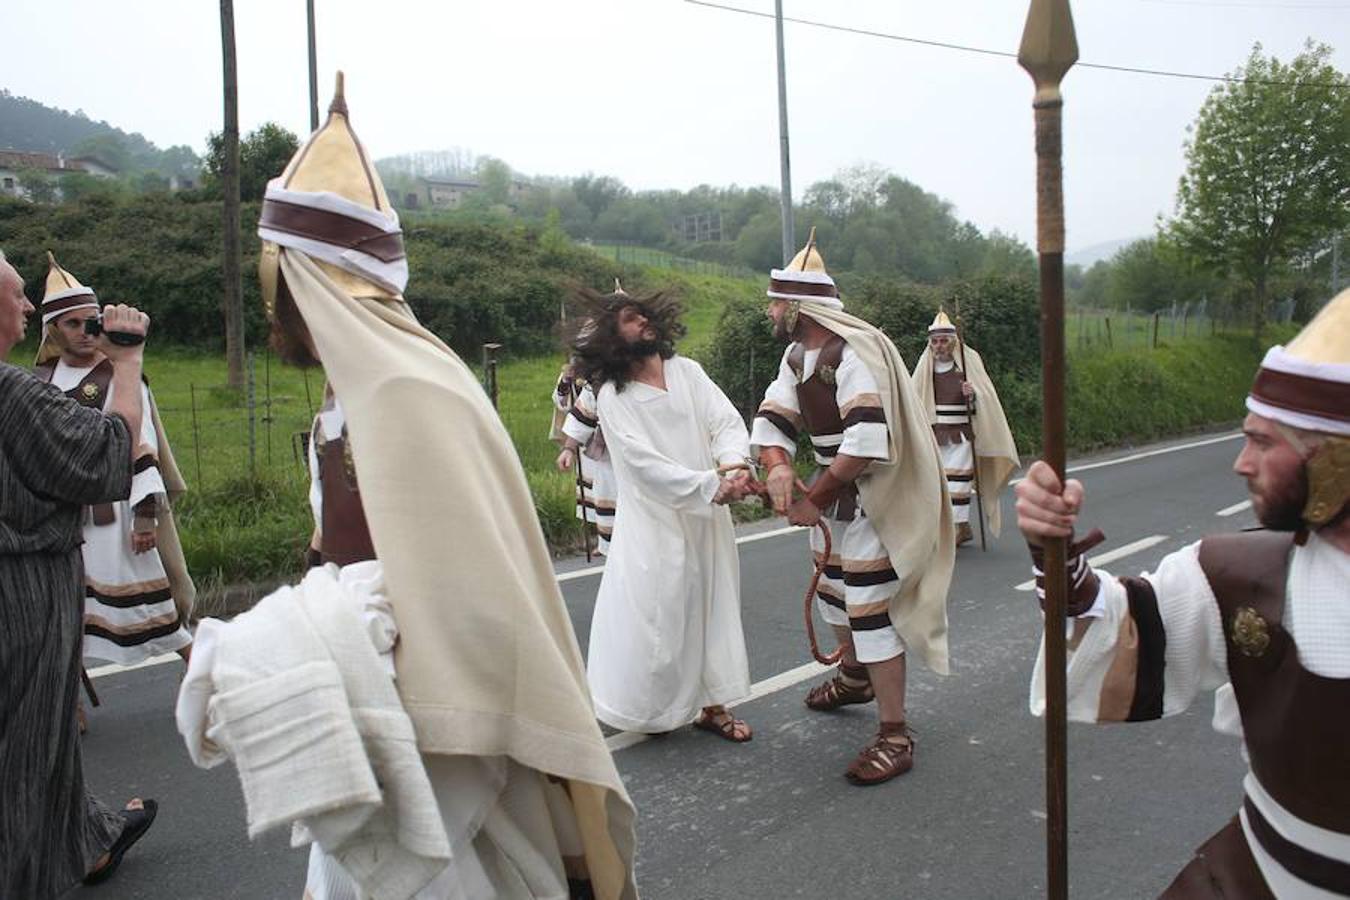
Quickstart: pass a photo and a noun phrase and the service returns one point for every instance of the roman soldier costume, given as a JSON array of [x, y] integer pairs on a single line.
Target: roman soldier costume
[[1263, 617]]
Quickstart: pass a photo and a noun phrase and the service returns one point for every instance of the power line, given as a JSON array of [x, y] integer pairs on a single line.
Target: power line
[[1329, 7], [943, 45]]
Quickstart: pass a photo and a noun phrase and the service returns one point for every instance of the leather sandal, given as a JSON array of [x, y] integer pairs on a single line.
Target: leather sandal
[[836, 693], [138, 822], [724, 725], [891, 753]]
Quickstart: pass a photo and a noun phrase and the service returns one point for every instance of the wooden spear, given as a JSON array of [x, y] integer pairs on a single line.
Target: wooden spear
[[1049, 48], [970, 415]]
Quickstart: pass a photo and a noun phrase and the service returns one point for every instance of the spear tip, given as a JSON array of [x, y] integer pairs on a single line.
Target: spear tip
[[1049, 46]]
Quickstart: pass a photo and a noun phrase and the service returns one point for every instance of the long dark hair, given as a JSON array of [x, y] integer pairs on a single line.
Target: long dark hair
[[600, 355]]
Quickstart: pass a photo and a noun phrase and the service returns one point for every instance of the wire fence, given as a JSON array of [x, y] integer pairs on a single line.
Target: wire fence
[[631, 253], [1127, 329], [220, 434]]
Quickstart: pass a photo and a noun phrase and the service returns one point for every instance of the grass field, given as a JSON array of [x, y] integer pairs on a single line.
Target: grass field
[[246, 517]]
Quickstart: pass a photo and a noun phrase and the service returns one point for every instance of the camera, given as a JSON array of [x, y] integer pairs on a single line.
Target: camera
[[94, 327]]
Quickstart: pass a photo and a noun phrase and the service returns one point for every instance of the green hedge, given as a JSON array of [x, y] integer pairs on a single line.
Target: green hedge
[[471, 283], [1113, 396]]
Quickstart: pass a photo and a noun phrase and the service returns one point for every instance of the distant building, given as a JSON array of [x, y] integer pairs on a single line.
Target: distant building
[[15, 163], [449, 193]]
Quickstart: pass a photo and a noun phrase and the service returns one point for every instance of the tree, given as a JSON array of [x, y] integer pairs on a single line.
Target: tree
[[1267, 169], [37, 186], [263, 155]]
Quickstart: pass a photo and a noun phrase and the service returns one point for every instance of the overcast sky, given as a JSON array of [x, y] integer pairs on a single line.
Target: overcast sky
[[664, 93]]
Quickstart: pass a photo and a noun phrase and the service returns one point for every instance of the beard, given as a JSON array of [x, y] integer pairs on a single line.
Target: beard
[[639, 350], [1280, 507], [288, 333]]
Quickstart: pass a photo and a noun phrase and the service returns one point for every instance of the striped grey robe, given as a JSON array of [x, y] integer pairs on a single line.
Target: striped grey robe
[[55, 457]]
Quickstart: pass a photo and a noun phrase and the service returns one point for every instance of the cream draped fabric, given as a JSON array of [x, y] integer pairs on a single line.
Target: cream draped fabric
[[996, 458], [905, 495], [487, 662]]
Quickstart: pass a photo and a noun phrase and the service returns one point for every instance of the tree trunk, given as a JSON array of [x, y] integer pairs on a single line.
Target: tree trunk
[[229, 177], [1259, 310]]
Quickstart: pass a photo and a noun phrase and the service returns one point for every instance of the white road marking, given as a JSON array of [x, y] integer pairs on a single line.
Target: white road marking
[[1234, 509], [745, 539], [114, 668], [765, 535], [772, 685], [1083, 467], [1102, 559]]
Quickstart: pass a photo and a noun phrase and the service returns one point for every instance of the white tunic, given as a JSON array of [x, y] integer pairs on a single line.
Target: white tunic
[[1317, 617], [509, 829], [129, 613], [595, 469], [666, 636]]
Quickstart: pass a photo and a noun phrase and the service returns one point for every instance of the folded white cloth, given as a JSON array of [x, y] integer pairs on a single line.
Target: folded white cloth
[[295, 692]]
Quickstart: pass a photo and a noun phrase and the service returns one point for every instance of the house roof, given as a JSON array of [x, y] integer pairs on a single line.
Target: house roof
[[19, 159], [452, 182]]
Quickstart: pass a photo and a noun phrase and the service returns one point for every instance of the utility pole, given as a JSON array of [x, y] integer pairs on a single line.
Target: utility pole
[[229, 182], [786, 194], [313, 72]]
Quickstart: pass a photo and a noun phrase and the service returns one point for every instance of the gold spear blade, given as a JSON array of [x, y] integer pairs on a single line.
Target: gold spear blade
[[1049, 46]]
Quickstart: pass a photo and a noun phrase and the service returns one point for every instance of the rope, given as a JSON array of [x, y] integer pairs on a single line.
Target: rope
[[758, 487]]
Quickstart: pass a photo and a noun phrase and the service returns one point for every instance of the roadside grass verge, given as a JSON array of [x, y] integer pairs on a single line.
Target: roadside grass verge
[[245, 521]]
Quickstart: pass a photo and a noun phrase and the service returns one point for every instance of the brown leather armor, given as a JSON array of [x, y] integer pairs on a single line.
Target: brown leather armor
[[947, 392], [92, 391], [1294, 722], [819, 404], [344, 533]]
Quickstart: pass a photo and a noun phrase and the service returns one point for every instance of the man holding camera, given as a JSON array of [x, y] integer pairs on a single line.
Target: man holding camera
[[137, 591], [56, 457]]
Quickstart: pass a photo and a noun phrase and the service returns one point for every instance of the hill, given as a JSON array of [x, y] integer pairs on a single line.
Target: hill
[[31, 126]]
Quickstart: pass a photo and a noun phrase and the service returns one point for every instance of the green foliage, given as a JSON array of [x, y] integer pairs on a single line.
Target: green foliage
[[1267, 168], [245, 528], [1153, 274], [160, 252], [29, 125], [475, 283], [263, 155], [472, 283], [1114, 396], [38, 185]]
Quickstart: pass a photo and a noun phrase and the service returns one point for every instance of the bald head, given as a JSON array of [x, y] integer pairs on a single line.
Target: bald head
[[14, 307]]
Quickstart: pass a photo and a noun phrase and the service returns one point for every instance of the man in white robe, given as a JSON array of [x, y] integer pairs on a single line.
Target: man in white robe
[[1262, 618], [666, 642]]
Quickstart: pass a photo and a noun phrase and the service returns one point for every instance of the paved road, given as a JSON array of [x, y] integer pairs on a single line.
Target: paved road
[[774, 818]]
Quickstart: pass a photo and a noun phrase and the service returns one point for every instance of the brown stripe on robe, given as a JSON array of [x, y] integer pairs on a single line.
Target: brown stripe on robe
[[1132, 690]]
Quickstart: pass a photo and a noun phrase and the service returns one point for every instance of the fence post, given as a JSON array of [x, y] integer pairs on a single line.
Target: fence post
[[1155, 329], [267, 402], [252, 419], [752, 404], [1109, 343], [490, 371], [196, 433]]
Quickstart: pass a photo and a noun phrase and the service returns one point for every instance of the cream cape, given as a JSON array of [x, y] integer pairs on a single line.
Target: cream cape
[[167, 542], [906, 495], [487, 661], [997, 453]]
